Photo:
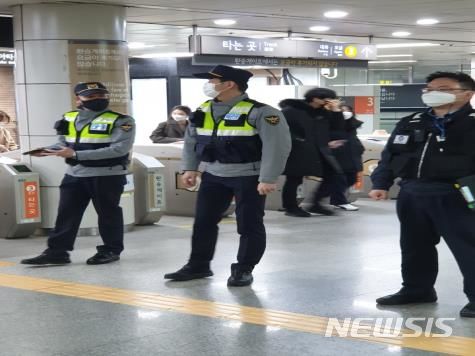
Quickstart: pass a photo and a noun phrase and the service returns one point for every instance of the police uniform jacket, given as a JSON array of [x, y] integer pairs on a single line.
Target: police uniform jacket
[[122, 135], [264, 150], [429, 149]]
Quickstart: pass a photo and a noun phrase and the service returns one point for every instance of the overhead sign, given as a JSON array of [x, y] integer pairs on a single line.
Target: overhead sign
[[7, 57], [269, 47], [401, 97], [234, 60]]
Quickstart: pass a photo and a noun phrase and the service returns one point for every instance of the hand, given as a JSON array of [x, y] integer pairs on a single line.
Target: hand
[[378, 194], [333, 105], [336, 143], [266, 188], [64, 152], [189, 178]]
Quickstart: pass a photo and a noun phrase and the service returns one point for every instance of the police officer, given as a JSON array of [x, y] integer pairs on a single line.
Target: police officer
[[244, 145], [95, 142], [430, 150]]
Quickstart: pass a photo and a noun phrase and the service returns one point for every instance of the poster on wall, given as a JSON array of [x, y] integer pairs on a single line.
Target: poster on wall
[[105, 62]]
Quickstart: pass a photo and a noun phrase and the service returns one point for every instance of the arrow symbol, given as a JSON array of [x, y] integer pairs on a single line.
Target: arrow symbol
[[367, 51]]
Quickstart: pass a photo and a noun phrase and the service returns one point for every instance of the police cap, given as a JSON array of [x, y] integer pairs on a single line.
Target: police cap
[[85, 89], [320, 93], [236, 75]]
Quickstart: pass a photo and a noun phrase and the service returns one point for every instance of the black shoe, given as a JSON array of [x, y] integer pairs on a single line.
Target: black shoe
[[297, 212], [188, 272], [239, 277], [103, 257], [405, 296], [47, 259], [468, 311], [318, 209]]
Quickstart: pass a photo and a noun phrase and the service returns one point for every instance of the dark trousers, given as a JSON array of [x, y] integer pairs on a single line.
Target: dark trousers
[[214, 197], [75, 195], [289, 192], [334, 185], [425, 216]]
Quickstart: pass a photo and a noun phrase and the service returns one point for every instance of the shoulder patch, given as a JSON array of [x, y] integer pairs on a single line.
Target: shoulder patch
[[126, 127], [272, 119]]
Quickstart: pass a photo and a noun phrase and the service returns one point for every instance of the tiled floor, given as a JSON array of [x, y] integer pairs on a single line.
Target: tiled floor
[[325, 267]]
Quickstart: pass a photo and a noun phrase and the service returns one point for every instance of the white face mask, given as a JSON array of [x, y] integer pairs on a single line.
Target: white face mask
[[178, 117], [437, 98], [347, 115], [209, 89]]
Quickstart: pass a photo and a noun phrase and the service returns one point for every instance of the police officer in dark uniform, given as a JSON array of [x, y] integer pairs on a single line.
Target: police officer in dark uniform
[[430, 151], [95, 143], [244, 145]]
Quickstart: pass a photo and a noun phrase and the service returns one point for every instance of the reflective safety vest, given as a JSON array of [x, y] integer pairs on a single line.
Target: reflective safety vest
[[232, 139], [97, 134]]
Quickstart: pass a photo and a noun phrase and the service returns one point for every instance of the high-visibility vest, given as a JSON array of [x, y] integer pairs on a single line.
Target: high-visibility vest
[[231, 139], [97, 134]]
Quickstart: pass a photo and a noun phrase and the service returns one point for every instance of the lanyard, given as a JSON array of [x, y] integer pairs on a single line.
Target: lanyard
[[440, 122]]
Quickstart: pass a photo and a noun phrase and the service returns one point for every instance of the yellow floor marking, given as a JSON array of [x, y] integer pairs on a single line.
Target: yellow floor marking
[[6, 264], [454, 345]]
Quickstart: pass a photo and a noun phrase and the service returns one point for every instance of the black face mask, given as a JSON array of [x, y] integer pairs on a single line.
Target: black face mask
[[95, 104]]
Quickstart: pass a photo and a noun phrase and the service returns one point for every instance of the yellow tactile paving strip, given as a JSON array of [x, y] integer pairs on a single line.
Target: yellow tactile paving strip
[[453, 345], [6, 264]]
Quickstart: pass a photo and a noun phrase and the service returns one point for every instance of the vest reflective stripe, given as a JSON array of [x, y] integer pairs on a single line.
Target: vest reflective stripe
[[106, 118], [225, 127]]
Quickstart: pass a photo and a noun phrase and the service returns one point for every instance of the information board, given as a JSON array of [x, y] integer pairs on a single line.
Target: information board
[[407, 96]]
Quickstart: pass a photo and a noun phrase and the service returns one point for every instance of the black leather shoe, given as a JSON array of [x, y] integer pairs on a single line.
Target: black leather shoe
[[188, 272], [318, 209], [405, 296], [297, 212], [239, 277], [468, 311], [103, 257], [47, 259]]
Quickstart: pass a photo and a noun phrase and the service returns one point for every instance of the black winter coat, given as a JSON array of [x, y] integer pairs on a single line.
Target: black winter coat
[[310, 133], [168, 132], [349, 156]]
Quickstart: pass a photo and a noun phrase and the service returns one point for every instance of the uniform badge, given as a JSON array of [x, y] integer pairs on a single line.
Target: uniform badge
[[126, 127], [272, 120], [401, 139]]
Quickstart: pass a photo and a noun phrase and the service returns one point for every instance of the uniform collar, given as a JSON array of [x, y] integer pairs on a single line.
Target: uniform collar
[[464, 109], [230, 102]]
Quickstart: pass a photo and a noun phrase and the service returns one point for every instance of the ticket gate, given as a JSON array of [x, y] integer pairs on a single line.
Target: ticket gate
[[373, 148], [149, 184], [20, 206], [179, 200]]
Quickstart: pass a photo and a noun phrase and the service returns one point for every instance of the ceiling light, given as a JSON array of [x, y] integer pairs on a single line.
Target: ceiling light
[[224, 22], [5, 15], [136, 45], [426, 22], [335, 14], [401, 34], [393, 55], [301, 39], [319, 28], [166, 55], [406, 45], [383, 62]]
